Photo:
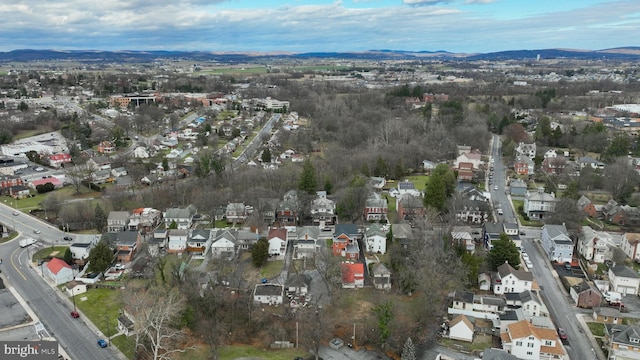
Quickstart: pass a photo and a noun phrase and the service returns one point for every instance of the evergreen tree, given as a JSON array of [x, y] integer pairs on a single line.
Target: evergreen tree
[[266, 156], [308, 181], [100, 219], [503, 250], [100, 257], [408, 351], [328, 186], [440, 187], [260, 252], [68, 257]]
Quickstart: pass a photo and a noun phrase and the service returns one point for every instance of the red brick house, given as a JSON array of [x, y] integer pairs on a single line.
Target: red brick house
[[410, 207], [58, 160], [586, 206], [465, 171], [585, 296], [554, 165], [106, 147]]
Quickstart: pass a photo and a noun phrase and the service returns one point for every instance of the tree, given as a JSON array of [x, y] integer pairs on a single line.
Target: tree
[[100, 257], [384, 314], [308, 181], [260, 252], [621, 179], [504, 249], [439, 187], [100, 219], [68, 256], [567, 213], [266, 156], [408, 351]]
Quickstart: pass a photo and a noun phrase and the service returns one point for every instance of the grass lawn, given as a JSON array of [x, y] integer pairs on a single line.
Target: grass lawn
[[12, 235], [125, 344], [271, 269], [480, 342], [596, 329], [234, 352], [391, 208], [102, 307], [516, 205], [57, 251], [419, 180]]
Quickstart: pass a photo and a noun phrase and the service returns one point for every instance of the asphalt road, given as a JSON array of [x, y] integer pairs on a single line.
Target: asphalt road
[[557, 301], [76, 336]]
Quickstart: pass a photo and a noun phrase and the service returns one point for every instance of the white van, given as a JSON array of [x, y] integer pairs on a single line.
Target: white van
[[500, 212]]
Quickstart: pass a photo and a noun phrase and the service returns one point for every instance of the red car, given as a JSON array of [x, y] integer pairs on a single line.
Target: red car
[[562, 334], [75, 314]]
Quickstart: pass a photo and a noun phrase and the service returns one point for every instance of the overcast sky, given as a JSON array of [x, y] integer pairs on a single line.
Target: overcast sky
[[318, 25]]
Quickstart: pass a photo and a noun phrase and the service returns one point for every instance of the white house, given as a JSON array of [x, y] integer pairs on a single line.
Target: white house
[[277, 242], [528, 150], [80, 251], [462, 235], [304, 246], [528, 301], [224, 243], [538, 204], [58, 271], [323, 209], [593, 245], [271, 294], [629, 245], [529, 342], [177, 240], [74, 288], [183, 217], [472, 157], [624, 280], [375, 239], [556, 243], [428, 165], [461, 328], [508, 279]]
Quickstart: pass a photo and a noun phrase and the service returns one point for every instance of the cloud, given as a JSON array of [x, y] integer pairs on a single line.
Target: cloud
[[481, 2], [425, 2]]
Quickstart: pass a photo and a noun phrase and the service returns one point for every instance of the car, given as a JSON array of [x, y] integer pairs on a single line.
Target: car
[[67, 238], [102, 343], [525, 256], [36, 231], [529, 264], [495, 188], [500, 212], [562, 334], [75, 314], [567, 265], [617, 304], [39, 169], [15, 213]]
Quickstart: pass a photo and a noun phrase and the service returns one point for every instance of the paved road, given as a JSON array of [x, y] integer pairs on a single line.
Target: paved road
[[499, 196], [76, 336]]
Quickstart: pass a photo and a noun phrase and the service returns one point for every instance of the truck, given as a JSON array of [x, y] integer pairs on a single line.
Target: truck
[[613, 297], [26, 242]]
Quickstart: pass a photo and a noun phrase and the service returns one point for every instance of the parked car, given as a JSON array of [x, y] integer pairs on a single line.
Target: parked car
[[36, 231], [15, 213], [75, 314], [67, 238], [495, 188], [102, 343], [567, 265], [562, 334]]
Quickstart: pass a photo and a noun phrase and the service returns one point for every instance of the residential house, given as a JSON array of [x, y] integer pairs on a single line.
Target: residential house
[[145, 219], [491, 233], [99, 163], [620, 214], [484, 282], [593, 245], [538, 204], [463, 149], [287, 211], [224, 243], [586, 206], [529, 342], [183, 217], [462, 235], [381, 276], [473, 157], [510, 280], [551, 153], [352, 275], [518, 188], [177, 240], [119, 172], [465, 172], [556, 243], [305, 244], [271, 294], [513, 231], [198, 243], [377, 182], [526, 149], [117, 221], [607, 315], [58, 271], [150, 179], [58, 160], [126, 325], [585, 161], [375, 239], [524, 165], [528, 301], [101, 176], [267, 208], [402, 234], [554, 165], [585, 296], [427, 165], [497, 354], [80, 250], [461, 328], [375, 208], [408, 187], [126, 243], [106, 147], [344, 235], [298, 284], [623, 341], [471, 206], [124, 183], [277, 239], [236, 213], [624, 279], [409, 207], [323, 210], [630, 245]]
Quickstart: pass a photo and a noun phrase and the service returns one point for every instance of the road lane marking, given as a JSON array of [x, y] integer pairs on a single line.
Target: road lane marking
[[14, 264]]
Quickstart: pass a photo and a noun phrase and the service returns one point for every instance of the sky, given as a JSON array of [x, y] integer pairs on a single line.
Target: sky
[[295, 26]]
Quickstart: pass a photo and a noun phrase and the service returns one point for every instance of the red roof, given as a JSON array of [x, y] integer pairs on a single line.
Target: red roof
[[55, 265], [51, 180], [60, 157], [279, 233], [351, 272]]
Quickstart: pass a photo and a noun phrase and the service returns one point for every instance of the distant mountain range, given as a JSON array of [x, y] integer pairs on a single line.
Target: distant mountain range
[[98, 56]]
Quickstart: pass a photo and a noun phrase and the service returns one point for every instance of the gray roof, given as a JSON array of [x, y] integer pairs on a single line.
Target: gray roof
[[350, 230], [402, 231], [583, 201], [558, 233], [181, 213], [518, 184], [506, 269], [624, 334], [380, 269], [496, 354], [123, 237], [493, 228], [307, 233], [268, 289], [374, 229], [118, 215], [204, 233], [464, 296], [623, 271], [298, 280]]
